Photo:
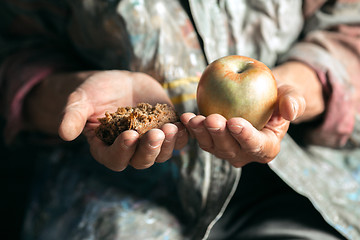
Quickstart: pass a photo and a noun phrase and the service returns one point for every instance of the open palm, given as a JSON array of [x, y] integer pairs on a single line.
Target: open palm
[[106, 91]]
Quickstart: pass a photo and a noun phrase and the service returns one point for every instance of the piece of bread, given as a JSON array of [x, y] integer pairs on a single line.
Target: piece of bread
[[141, 118]]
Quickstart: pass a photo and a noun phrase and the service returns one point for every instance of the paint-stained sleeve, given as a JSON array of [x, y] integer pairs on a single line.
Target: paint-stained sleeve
[[331, 45], [33, 45]]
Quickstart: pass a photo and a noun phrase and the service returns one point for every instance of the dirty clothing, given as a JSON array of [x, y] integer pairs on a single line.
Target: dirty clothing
[[173, 41]]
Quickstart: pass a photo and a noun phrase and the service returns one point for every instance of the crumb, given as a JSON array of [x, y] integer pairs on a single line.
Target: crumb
[[141, 118]]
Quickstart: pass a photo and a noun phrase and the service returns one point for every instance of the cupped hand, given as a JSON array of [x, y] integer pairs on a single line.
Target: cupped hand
[[106, 91], [237, 141], [156, 145]]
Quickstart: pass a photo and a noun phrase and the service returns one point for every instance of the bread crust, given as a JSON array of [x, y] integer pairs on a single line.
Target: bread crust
[[141, 118]]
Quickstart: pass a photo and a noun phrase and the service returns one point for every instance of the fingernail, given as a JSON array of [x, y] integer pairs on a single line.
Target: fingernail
[[236, 129], [213, 129], [155, 143], [295, 106], [130, 142]]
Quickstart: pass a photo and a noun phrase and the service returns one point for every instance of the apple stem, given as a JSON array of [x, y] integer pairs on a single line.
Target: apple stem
[[244, 67]]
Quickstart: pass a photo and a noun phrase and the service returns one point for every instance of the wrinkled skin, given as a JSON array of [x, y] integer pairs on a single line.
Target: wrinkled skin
[[86, 96], [238, 142], [70, 103]]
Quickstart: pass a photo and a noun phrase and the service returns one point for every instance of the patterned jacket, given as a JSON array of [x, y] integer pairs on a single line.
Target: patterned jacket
[[158, 37]]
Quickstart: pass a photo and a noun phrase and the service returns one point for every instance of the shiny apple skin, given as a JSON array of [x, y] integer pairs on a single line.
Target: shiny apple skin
[[238, 86]]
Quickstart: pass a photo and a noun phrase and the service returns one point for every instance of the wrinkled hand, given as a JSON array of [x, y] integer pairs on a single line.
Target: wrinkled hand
[[300, 99], [70, 104], [106, 91], [237, 141], [156, 145]]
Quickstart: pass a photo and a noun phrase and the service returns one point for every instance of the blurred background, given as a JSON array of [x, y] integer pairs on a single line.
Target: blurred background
[[16, 179]]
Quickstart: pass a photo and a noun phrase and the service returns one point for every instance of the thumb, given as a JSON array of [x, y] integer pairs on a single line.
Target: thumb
[[291, 104], [76, 113]]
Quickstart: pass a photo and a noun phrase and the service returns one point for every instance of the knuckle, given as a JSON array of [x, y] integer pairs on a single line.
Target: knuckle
[[226, 155], [257, 150], [268, 154]]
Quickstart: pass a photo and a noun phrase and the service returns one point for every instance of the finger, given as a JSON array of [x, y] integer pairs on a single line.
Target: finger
[[170, 131], [199, 131], [261, 146], [116, 156], [291, 103], [225, 145], [182, 136], [185, 119], [76, 113], [148, 149]]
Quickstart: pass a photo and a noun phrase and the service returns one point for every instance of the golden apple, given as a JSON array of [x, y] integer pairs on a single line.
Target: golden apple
[[238, 86]]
